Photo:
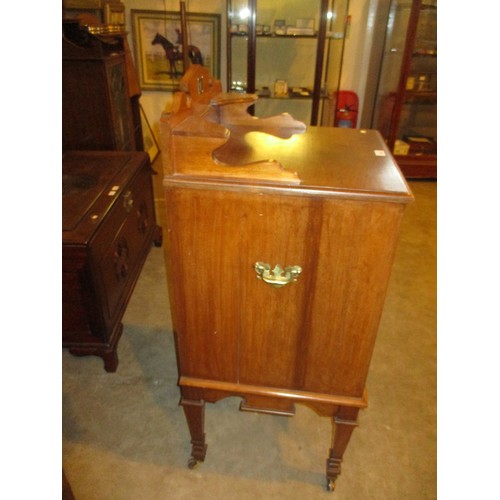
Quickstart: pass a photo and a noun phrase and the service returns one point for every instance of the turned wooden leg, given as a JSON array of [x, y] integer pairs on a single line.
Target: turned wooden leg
[[194, 410], [110, 361], [344, 423]]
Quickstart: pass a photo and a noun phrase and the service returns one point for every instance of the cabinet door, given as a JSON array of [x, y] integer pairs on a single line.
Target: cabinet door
[[230, 325], [96, 112], [315, 334], [278, 230], [391, 66], [354, 253], [203, 247], [418, 116], [406, 105]]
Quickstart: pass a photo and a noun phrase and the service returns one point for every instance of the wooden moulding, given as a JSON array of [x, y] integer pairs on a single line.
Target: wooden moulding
[[203, 133], [323, 404]]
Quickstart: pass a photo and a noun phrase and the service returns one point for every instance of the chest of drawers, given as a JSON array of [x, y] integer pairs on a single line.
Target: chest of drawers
[[277, 272], [107, 230]]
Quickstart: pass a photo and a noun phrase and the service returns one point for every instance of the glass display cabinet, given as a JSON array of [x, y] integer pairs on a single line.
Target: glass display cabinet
[[406, 104], [289, 52]]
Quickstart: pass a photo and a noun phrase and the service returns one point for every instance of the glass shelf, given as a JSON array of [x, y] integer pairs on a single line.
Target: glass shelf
[[306, 54]]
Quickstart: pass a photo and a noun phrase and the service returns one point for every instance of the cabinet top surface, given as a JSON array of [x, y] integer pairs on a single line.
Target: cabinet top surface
[[328, 158], [91, 182], [211, 138], [324, 160]]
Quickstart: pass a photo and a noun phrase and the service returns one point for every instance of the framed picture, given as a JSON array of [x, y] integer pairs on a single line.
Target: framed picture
[[158, 46], [150, 145]]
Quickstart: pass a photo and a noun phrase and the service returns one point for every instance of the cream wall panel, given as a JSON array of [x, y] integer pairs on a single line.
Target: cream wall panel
[[154, 102]]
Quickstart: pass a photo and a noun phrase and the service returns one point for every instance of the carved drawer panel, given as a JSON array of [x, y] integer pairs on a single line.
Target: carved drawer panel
[[129, 227]]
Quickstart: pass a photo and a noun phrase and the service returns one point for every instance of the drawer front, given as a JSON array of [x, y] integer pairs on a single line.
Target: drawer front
[[123, 244]]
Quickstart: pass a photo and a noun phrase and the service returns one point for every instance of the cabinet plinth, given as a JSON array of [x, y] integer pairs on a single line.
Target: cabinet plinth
[[277, 284]]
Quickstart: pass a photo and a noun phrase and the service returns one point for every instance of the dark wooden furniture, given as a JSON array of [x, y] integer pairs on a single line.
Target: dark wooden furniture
[[406, 106], [100, 95], [67, 492], [106, 13], [108, 227], [277, 269]]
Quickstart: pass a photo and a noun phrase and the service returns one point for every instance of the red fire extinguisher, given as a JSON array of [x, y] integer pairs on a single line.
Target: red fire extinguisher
[[346, 114]]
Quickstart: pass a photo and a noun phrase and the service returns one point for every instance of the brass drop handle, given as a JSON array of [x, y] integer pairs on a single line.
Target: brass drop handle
[[278, 277]]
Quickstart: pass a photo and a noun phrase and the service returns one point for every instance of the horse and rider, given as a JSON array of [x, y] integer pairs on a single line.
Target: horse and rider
[[174, 54]]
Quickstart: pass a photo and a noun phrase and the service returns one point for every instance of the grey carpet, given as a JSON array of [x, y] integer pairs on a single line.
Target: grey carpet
[[125, 437]]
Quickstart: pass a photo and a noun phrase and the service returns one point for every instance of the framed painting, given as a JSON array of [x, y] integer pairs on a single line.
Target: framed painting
[[158, 46]]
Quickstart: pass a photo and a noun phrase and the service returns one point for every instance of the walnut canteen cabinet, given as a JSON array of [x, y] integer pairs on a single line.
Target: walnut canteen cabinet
[[280, 244]]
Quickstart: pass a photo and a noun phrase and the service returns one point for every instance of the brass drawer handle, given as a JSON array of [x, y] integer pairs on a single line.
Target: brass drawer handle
[[121, 261], [275, 277], [128, 201]]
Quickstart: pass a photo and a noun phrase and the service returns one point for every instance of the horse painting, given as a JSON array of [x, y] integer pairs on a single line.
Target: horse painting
[[174, 54]]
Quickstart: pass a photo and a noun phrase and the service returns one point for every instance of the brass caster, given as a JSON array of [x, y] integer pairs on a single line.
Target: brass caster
[[330, 485], [192, 463]]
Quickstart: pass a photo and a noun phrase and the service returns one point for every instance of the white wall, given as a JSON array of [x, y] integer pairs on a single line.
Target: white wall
[[358, 48]]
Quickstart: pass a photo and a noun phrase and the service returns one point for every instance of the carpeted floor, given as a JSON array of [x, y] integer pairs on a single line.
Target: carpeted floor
[[125, 437]]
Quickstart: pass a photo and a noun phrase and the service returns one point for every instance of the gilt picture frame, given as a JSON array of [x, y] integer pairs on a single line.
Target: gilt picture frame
[[158, 47]]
